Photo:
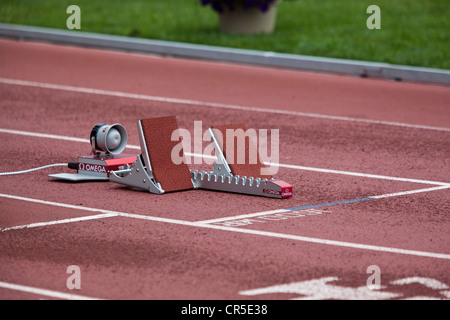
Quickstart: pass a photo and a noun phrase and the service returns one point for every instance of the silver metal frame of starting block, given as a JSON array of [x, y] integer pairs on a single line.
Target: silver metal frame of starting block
[[139, 174], [136, 176], [223, 179]]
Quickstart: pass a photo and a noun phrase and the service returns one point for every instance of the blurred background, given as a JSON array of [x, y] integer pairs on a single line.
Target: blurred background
[[413, 32]]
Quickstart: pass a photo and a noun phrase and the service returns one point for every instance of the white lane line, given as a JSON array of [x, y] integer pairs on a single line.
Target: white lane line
[[247, 231], [44, 292], [211, 104], [397, 194], [62, 221], [43, 135], [288, 166], [103, 213], [244, 216], [287, 210], [57, 204], [53, 136], [363, 175], [301, 238]]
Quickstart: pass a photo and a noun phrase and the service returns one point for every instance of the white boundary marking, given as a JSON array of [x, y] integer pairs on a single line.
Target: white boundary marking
[[288, 166], [44, 292], [43, 135], [287, 210], [244, 216], [241, 230], [363, 175], [403, 193], [50, 223], [211, 104]]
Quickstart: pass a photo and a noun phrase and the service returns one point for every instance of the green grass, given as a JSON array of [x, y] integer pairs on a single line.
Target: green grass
[[413, 32]]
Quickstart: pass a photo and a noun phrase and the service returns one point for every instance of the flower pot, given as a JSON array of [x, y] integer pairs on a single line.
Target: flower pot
[[248, 21]]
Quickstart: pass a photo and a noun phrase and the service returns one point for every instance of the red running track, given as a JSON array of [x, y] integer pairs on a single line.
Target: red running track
[[341, 139]]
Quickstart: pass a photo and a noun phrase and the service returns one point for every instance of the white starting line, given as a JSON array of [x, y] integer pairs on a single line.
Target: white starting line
[[44, 292], [109, 213]]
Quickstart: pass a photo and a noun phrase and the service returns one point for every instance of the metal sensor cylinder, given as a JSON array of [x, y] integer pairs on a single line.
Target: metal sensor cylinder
[[109, 138]]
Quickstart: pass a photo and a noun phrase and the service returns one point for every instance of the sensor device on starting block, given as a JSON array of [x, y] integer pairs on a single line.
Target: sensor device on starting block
[[112, 140]]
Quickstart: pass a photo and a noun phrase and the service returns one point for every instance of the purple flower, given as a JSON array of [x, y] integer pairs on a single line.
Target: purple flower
[[219, 5]]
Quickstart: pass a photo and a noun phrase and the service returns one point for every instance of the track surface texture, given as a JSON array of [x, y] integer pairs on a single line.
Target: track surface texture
[[368, 160]]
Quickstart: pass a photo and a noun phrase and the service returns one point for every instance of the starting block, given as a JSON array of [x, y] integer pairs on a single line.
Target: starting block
[[231, 176], [155, 172], [154, 169]]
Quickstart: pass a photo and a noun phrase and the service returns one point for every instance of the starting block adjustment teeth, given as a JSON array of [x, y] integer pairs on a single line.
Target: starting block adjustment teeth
[[245, 185]]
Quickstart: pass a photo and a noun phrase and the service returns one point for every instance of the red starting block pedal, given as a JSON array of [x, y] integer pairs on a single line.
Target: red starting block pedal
[[154, 169]]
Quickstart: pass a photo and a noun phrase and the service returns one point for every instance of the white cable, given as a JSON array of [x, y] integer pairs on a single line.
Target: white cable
[[34, 169]]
